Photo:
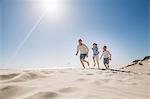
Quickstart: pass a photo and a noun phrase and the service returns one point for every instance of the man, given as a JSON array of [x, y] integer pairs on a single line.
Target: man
[[83, 52]]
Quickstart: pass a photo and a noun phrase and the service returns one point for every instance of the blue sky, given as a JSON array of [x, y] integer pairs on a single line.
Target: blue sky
[[0, 33], [122, 25], [149, 30]]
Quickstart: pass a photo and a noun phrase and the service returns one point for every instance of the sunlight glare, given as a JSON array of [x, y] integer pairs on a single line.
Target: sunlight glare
[[52, 7]]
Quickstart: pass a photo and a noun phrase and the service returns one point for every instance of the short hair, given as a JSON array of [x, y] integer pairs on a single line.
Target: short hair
[[80, 40], [94, 44], [105, 47]]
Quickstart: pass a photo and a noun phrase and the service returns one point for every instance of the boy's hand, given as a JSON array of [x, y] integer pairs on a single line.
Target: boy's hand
[[100, 58]]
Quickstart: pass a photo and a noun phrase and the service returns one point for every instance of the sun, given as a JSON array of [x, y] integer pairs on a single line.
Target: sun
[[52, 7]]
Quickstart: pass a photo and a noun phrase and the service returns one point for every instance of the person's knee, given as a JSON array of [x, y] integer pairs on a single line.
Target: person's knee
[[81, 60], [97, 60], [93, 58], [84, 60]]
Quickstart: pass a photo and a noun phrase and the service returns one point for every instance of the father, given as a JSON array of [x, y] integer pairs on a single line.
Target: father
[[83, 52]]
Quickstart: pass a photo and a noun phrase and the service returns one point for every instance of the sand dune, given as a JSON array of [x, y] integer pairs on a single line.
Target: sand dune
[[21, 77], [139, 66], [8, 76], [130, 82]]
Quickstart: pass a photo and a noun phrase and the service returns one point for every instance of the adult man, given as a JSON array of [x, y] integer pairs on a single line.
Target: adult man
[[83, 52]]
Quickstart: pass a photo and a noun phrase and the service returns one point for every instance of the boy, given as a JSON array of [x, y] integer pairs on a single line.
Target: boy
[[95, 55], [83, 52], [107, 56]]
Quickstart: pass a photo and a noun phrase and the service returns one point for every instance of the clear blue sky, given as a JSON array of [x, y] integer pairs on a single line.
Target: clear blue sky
[[122, 25]]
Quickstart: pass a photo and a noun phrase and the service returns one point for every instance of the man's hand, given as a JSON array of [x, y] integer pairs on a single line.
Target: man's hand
[[77, 53]]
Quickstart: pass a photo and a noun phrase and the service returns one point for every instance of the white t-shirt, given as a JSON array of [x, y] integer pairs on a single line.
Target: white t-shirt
[[83, 49], [106, 54]]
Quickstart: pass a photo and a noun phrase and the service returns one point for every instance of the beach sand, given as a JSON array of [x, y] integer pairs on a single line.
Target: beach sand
[[132, 82]]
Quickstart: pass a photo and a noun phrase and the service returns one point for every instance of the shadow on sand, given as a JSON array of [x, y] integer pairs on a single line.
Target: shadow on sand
[[113, 70]]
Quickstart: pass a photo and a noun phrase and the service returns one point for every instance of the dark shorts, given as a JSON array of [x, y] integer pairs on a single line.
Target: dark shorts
[[106, 61], [82, 56]]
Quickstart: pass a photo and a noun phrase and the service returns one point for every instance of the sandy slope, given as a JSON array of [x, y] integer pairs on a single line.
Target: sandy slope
[[76, 83]]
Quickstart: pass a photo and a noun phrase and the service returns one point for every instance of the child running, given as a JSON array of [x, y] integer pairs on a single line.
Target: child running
[[95, 55], [106, 57]]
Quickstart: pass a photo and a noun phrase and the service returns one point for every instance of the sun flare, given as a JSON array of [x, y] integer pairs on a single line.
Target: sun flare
[[52, 7]]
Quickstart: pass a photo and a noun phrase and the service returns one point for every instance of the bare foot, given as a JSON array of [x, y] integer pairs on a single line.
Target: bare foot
[[94, 64]]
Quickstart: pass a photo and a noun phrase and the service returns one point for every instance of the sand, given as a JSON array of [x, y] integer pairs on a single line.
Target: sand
[[131, 82]]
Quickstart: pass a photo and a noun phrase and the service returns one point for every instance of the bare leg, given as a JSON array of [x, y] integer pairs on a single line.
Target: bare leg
[[105, 66], [97, 61], [108, 66], [82, 63], [94, 61], [86, 62]]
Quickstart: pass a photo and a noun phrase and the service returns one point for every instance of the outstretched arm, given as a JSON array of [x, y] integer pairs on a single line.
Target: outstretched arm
[[101, 56]]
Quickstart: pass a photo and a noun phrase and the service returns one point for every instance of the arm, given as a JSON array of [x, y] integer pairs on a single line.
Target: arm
[[97, 50], [109, 55], [86, 48], [77, 50], [101, 56]]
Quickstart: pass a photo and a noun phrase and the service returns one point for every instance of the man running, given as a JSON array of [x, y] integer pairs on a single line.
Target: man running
[[83, 52]]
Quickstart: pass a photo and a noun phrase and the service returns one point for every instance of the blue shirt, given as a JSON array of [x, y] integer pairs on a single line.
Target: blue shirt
[[95, 51]]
